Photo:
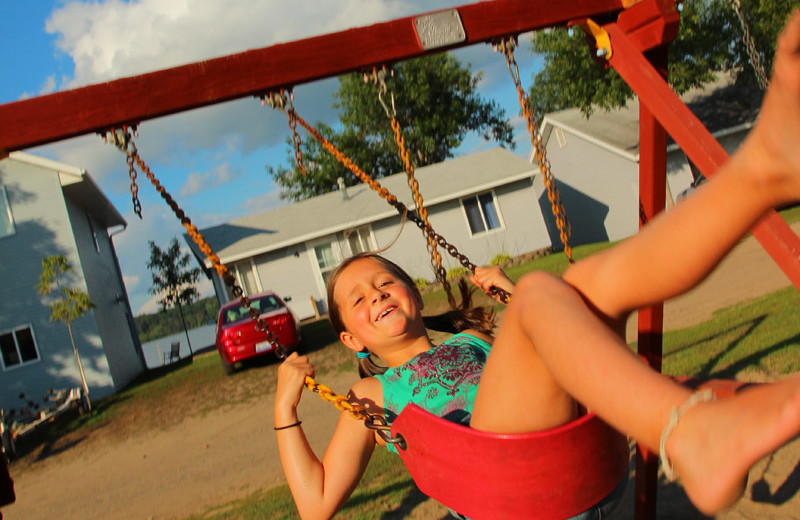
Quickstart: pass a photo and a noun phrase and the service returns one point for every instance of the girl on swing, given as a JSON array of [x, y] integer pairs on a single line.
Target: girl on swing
[[560, 338]]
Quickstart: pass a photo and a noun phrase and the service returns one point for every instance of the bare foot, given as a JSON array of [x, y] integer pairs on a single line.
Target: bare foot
[[715, 444], [774, 144]]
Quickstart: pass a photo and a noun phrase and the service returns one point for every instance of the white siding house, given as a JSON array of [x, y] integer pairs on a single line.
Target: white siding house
[[596, 161], [49, 208], [483, 203]]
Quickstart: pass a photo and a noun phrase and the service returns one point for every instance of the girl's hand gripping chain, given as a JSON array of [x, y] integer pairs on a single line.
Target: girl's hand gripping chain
[[487, 277], [291, 381]]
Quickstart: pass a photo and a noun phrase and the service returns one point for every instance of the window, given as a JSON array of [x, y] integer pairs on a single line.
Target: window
[[359, 240], [327, 260], [246, 278], [262, 305], [93, 232], [7, 227], [18, 347], [562, 139], [481, 213]]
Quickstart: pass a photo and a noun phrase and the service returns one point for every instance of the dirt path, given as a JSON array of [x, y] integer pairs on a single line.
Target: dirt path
[[229, 453]]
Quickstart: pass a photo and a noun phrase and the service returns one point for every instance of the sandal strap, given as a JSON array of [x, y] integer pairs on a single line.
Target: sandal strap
[[703, 396]]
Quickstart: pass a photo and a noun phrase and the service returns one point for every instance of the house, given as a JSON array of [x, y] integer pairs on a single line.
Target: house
[[483, 203], [49, 208], [595, 161]]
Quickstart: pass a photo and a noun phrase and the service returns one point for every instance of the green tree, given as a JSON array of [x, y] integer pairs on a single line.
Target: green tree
[[173, 280], [436, 103], [69, 304], [710, 39]]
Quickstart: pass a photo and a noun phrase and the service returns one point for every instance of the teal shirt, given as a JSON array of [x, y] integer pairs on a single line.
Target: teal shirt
[[442, 381]]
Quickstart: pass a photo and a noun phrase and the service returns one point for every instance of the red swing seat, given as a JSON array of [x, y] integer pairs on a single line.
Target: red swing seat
[[552, 475]]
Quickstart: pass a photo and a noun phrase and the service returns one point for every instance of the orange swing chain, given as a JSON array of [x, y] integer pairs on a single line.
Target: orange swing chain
[[272, 100], [122, 139], [506, 46], [379, 77]]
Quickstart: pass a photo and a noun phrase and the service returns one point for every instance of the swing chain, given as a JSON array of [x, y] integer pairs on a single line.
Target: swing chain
[[750, 46], [426, 228], [392, 200], [506, 46], [379, 77], [372, 421], [122, 139], [283, 102]]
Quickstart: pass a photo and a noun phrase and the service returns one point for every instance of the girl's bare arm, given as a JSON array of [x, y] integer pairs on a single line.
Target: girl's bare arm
[[319, 487]]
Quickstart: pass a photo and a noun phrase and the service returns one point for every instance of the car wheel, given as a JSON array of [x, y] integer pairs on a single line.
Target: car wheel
[[228, 368]]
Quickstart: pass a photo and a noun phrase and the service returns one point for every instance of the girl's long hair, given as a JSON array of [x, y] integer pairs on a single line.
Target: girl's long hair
[[463, 317]]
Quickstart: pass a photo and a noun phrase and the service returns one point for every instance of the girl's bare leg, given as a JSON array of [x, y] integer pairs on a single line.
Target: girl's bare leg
[[577, 354], [714, 444], [680, 247]]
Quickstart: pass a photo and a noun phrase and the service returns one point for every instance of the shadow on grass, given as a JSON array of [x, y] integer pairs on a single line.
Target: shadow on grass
[[159, 372], [742, 331], [760, 490], [412, 498]]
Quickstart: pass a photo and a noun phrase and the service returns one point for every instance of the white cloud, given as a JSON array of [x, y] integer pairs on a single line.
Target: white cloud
[[197, 182], [131, 282], [148, 306], [111, 39], [49, 85], [265, 202]]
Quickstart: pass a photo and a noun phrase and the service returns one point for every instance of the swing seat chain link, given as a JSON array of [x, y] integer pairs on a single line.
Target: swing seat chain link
[[374, 422]]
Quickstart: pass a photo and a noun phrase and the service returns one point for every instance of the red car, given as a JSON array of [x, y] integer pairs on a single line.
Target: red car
[[237, 338]]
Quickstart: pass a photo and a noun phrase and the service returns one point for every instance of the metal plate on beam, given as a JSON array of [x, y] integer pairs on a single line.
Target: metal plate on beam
[[439, 29]]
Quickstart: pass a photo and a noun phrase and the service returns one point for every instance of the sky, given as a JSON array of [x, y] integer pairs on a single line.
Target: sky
[[212, 160]]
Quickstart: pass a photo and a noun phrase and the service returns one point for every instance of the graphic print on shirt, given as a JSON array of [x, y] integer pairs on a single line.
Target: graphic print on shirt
[[442, 380]]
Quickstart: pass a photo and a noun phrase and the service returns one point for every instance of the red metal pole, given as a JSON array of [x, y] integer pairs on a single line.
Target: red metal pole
[[652, 196]]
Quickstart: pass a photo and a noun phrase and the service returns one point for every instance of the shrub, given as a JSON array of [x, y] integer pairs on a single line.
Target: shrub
[[457, 272], [421, 283], [500, 259]]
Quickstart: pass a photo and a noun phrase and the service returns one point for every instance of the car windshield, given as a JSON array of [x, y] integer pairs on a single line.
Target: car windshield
[[262, 305]]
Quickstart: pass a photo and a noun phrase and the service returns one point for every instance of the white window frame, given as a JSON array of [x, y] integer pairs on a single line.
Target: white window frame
[[357, 231], [9, 215], [336, 249], [21, 363], [240, 277], [486, 230]]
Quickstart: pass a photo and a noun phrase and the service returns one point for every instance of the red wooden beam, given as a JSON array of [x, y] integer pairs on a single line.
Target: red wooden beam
[[777, 238], [96, 108]]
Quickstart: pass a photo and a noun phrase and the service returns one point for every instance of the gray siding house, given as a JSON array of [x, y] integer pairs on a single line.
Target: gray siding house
[[596, 161], [483, 203], [49, 208]]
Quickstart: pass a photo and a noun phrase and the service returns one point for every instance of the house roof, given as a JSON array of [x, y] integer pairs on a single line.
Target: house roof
[[326, 214], [720, 105], [78, 185]]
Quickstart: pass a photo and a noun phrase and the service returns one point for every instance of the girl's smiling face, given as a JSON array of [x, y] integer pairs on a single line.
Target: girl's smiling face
[[376, 307]]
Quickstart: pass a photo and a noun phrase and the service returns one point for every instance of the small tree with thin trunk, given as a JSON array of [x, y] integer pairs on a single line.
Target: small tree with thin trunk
[[173, 281], [69, 305]]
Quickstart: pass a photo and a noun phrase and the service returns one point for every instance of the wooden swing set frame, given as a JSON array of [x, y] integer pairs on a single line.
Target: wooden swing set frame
[[629, 35]]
